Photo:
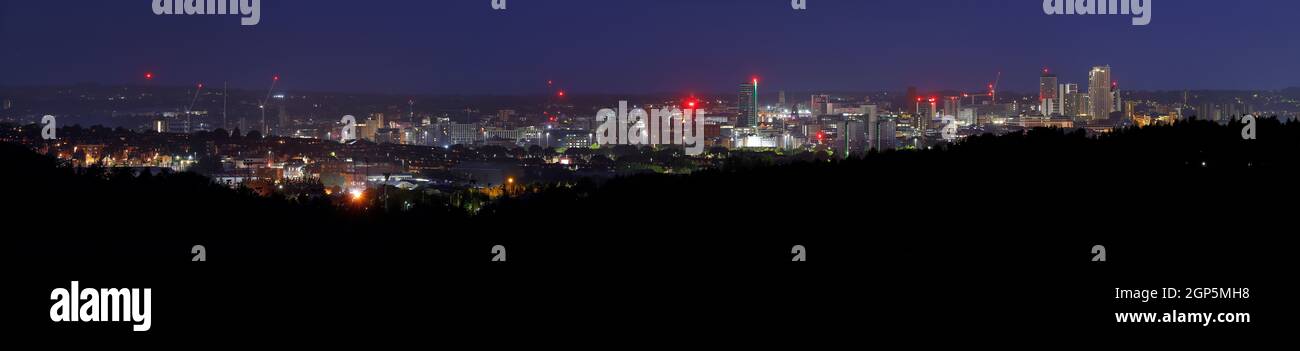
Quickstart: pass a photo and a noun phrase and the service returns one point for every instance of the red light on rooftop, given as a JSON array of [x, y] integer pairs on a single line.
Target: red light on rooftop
[[148, 75], [561, 93], [275, 78]]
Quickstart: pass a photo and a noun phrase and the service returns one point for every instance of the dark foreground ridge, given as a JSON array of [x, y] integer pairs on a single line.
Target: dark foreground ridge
[[985, 234]]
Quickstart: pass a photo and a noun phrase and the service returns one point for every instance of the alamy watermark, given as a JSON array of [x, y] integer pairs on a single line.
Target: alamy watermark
[[794, 4], [49, 128], [349, 130], [660, 127], [102, 305], [250, 9], [1140, 9], [1248, 130]]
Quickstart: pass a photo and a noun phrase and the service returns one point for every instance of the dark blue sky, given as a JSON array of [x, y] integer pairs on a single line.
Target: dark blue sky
[[634, 46]]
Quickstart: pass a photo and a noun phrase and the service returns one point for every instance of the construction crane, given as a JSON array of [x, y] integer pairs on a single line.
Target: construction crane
[[189, 111], [224, 99], [195, 100], [266, 129]]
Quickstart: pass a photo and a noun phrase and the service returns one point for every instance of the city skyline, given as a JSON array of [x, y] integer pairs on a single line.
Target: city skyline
[[467, 48], [411, 171]]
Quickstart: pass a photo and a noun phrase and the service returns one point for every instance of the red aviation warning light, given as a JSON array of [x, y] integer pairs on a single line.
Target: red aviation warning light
[[561, 93], [148, 75], [691, 102]]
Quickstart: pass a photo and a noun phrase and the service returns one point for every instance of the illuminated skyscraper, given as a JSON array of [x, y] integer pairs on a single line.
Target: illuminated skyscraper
[[871, 115], [926, 109], [748, 103], [853, 137], [1069, 98], [1117, 101], [1100, 94], [1048, 97], [886, 134]]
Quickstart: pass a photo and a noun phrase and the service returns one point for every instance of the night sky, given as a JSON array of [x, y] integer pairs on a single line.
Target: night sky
[[640, 46]]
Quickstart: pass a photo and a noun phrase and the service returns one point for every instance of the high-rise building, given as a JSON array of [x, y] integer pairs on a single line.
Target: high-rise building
[[160, 125], [370, 128], [1069, 98], [818, 105], [1085, 104], [747, 101], [926, 109], [1207, 112], [1100, 93], [887, 133], [284, 119], [952, 105], [1048, 97], [853, 137], [871, 115], [780, 99], [1117, 102]]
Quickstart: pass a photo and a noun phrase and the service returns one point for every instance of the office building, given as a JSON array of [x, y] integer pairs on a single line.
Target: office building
[[1049, 99], [747, 101], [1100, 93]]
